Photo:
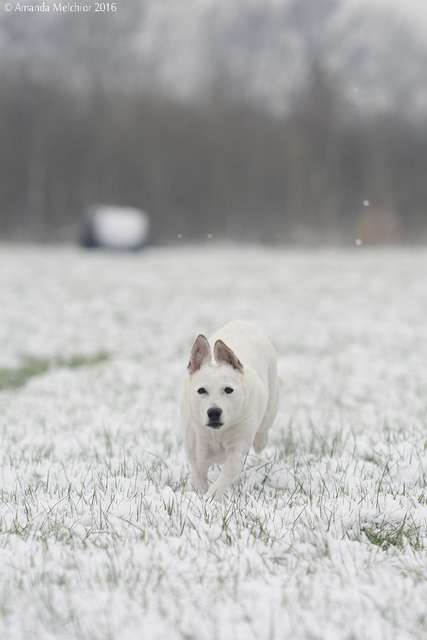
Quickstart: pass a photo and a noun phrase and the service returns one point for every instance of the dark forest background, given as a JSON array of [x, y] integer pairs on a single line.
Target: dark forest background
[[319, 172]]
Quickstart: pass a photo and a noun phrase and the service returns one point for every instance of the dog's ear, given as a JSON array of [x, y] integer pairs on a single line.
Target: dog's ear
[[200, 353], [224, 354]]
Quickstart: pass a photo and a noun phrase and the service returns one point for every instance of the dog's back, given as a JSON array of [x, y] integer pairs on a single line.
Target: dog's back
[[249, 343]]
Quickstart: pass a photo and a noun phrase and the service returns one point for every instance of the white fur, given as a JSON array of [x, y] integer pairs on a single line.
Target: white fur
[[238, 357]]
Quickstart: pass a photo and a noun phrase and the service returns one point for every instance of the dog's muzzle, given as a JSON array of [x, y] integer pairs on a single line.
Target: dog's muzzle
[[214, 418]]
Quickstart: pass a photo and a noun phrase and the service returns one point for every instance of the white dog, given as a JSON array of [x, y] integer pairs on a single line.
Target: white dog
[[228, 403]]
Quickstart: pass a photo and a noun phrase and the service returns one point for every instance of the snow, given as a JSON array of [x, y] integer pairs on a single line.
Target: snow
[[324, 534]]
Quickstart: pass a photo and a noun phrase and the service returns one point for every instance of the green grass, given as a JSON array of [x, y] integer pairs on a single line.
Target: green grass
[[30, 367], [389, 534]]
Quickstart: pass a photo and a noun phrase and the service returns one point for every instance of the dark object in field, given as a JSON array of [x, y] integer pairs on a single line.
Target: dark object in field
[[113, 227]]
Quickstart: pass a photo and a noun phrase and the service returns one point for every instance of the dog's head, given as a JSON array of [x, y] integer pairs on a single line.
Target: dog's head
[[217, 393]]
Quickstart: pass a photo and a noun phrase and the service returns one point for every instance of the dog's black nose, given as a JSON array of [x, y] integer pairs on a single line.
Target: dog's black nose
[[214, 414]]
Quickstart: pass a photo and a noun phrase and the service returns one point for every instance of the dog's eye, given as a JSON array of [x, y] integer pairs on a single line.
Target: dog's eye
[[202, 391], [228, 390]]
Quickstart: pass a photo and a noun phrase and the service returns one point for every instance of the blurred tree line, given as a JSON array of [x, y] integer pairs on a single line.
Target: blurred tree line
[[221, 167]]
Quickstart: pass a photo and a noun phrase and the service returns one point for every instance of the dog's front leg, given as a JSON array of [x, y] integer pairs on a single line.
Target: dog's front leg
[[198, 480], [199, 471], [230, 471]]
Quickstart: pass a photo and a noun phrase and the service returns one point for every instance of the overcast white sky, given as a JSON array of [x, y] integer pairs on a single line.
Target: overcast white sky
[[415, 9]]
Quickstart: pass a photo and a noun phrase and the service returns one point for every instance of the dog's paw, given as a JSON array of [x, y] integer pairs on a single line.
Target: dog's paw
[[260, 442], [214, 493], [199, 486]]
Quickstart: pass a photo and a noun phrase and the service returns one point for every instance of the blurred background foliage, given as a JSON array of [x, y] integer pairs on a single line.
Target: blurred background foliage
[[274, 122]]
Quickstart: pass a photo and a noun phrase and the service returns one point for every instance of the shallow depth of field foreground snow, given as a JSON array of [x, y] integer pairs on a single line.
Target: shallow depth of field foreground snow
[[324, 534]]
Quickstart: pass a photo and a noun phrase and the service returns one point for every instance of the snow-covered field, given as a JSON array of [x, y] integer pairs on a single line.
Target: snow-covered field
[[323, 536]]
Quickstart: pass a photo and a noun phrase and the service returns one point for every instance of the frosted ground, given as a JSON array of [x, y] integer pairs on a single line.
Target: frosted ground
[[323, 536]]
